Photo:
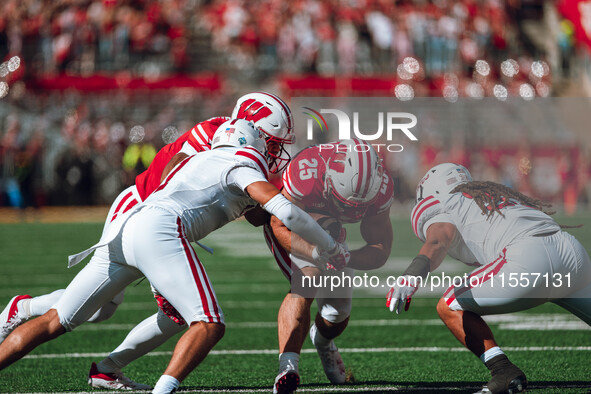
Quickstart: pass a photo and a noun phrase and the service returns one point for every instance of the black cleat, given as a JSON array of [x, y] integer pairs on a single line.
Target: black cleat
[[286, 382], [506, 378]]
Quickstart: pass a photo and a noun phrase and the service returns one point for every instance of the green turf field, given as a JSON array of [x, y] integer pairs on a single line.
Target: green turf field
[[413, 352]]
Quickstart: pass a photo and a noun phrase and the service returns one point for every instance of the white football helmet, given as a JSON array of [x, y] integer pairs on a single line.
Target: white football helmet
[[442, 179], [273, 117], [353, 178], [239, 133]]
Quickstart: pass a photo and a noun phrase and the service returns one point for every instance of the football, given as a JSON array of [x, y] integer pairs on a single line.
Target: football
[[331, 225]]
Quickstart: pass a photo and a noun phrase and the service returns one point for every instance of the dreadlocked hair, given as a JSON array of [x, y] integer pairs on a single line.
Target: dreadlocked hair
[[491, 197]]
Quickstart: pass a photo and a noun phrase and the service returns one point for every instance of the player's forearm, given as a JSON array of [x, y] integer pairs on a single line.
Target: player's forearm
[[301, 248], [435, 250], [369, 257], [291, 242], [440, 237]]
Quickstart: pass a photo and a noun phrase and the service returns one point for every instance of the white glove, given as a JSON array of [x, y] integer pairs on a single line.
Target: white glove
[[335, 259], [399, 295]]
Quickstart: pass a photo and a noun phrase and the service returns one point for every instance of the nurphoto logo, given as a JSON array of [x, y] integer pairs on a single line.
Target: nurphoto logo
[[396, 124]]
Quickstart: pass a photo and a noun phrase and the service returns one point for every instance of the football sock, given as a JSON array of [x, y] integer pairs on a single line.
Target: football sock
[[318, 339], [24, 308], [490, 354], [107, 366], [498, 364], [39, 305], [165, 385], [145, 337], [289, 361]]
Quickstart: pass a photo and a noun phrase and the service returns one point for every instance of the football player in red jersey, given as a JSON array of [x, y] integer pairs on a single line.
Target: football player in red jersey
[[342, 181], [272, 116]]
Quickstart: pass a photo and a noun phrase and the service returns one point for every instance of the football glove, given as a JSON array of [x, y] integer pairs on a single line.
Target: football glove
[[401, 294], [335, 259]]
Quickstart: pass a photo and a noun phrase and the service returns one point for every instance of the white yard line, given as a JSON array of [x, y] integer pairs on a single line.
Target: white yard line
[[430, 349], [510, 322]]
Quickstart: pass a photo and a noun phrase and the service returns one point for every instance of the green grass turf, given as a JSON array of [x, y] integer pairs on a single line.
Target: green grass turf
[[250, 289]]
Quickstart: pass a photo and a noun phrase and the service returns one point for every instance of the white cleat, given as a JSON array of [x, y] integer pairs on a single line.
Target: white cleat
[[112, 380], [333, 365], [11, 317]]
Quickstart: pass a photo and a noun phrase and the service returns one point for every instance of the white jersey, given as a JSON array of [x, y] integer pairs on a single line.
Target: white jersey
[[207, 190], [485, 237], [460, 251]]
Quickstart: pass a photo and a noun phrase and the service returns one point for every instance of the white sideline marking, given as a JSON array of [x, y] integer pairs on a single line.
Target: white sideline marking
[[431, 349]]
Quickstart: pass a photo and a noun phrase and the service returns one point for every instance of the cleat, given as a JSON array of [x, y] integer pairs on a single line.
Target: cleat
[[11, 317], [113, 380], [510, 381], [286, 382], [333, 365]]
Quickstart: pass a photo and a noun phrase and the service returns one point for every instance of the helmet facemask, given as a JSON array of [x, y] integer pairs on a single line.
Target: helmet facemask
[[277, 156]]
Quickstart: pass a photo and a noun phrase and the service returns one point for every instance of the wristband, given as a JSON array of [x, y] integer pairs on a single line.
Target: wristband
[[420, 266]]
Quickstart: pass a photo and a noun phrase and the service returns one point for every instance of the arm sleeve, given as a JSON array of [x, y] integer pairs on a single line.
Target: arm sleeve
[[243, 176], [299, 222]]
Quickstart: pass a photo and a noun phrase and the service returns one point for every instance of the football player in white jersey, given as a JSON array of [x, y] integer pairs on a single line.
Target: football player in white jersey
[[201, 194], [524, 260], [272, 116]]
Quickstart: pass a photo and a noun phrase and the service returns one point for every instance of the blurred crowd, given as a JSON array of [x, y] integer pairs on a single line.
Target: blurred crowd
[[83, 149], [298, 36], [66, 147]]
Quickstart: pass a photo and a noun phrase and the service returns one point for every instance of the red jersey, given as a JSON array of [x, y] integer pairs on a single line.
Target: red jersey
[[303, 180], [198, 138]]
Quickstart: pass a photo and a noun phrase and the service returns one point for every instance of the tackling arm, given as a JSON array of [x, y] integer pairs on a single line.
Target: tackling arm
[[291, 215], [377, 232], [291, 242]]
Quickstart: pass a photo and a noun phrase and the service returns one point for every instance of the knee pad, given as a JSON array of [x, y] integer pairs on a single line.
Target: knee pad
[[335, 310]]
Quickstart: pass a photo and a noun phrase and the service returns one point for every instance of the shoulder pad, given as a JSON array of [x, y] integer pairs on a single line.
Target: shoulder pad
[[288, 183], [253, 158], [427, 208], [303, 174]]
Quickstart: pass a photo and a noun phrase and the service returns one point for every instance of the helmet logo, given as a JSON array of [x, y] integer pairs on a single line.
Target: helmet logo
[[242, 140], [253, 110]]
